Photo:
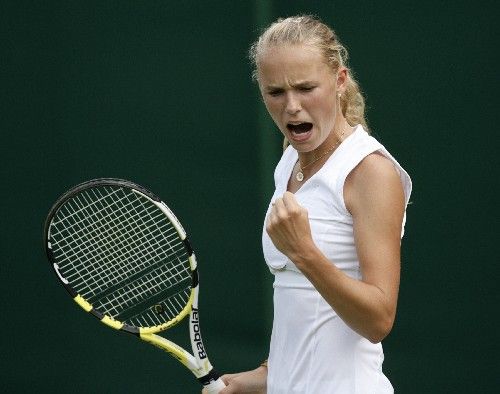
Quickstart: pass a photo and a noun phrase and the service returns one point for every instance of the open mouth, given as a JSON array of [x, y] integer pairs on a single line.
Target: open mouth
[[299, 128]]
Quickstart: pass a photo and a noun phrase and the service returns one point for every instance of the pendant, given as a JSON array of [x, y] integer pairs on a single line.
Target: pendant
[[299, 176]]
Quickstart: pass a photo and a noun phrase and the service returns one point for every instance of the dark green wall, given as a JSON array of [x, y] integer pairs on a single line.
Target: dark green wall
[[159, 92]]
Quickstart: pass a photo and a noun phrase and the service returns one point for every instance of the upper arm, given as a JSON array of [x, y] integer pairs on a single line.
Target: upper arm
[[374, 196]]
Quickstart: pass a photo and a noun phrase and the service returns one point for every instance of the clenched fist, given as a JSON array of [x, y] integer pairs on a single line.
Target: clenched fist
[[288, 227]]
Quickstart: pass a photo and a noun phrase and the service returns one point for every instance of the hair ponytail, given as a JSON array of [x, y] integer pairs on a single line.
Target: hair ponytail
[[352, 104]]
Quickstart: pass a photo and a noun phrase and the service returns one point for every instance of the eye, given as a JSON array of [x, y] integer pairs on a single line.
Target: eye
[[275, 92], [306, 88]]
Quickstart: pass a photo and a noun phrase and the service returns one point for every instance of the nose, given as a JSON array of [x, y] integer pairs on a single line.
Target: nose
[[292, 104]]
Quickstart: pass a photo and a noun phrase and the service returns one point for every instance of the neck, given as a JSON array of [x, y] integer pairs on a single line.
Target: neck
[[327, 147]]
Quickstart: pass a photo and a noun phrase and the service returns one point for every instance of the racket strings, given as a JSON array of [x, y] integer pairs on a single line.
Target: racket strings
[[118, 247], [135, 289], [98, 240], [145, 287], [99, 237], [134, 254], [172, 305], [78, 236], [107, 239]]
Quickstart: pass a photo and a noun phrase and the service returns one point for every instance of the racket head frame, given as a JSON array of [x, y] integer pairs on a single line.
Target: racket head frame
[[84, 303], [197, 362]]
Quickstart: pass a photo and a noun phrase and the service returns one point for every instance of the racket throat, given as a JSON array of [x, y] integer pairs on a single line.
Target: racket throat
[[173, 349]]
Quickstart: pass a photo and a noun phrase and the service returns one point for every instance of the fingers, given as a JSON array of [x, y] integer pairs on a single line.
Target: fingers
[[284, 208], [227, 379], [291, 204], [229, 376], [288, 199], [231, 382], [251, 382]]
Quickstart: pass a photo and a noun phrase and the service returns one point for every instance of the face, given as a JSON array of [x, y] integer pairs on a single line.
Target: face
[[300, 92]]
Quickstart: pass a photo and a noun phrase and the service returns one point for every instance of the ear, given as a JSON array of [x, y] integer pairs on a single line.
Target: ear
[[342, 76]]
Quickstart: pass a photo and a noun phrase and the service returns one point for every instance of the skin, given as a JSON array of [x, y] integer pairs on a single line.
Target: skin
[[298, 86], [249, 382]]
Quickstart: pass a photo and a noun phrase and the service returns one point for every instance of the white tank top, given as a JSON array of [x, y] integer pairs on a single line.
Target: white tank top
[[312, 350]]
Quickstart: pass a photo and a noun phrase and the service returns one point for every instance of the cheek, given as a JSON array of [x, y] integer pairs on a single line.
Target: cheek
[[323, 107], [273, 108]]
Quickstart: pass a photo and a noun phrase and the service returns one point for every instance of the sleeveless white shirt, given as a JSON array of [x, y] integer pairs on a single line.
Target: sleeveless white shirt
[[312, 350]]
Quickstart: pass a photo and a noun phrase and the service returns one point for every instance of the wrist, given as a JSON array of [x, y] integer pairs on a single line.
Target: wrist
[[305, 256]]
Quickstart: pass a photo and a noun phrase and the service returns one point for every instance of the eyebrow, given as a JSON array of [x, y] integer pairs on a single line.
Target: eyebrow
[[303, 83], [300, 84]]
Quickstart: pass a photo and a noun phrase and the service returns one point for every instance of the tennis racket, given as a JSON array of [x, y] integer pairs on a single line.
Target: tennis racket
[[123, 256]]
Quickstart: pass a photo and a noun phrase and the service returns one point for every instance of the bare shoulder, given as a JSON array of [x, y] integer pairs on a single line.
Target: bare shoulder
[[375, 165], [374, 179]]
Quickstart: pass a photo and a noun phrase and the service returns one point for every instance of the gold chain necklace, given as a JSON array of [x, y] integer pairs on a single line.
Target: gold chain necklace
[[300, 174]]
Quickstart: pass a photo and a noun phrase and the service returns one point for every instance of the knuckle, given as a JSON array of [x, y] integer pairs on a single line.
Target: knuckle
[[282, 216]]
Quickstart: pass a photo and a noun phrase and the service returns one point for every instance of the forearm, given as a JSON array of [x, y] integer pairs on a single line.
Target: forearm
[[362, 306]]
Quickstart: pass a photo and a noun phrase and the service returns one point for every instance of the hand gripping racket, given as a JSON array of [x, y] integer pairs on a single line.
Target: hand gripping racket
[[124, 257]]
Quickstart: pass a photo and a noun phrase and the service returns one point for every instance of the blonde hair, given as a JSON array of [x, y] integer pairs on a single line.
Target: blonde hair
[[309, 30]]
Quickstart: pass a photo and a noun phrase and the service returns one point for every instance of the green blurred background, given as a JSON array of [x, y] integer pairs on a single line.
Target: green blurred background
[[159, 92]]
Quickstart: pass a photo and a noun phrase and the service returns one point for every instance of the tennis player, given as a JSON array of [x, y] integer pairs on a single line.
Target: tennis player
[[333, 229]]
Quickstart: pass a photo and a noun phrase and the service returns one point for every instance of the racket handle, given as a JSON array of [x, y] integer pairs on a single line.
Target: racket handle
[[215, 387]]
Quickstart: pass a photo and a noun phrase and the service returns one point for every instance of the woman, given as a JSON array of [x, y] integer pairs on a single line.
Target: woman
[[334, 226]]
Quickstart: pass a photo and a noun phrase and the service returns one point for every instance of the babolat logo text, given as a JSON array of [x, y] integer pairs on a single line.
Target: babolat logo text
[[197, 336]]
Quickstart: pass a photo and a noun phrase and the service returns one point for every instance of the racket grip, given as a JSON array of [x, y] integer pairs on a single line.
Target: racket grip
[[215, 387]]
